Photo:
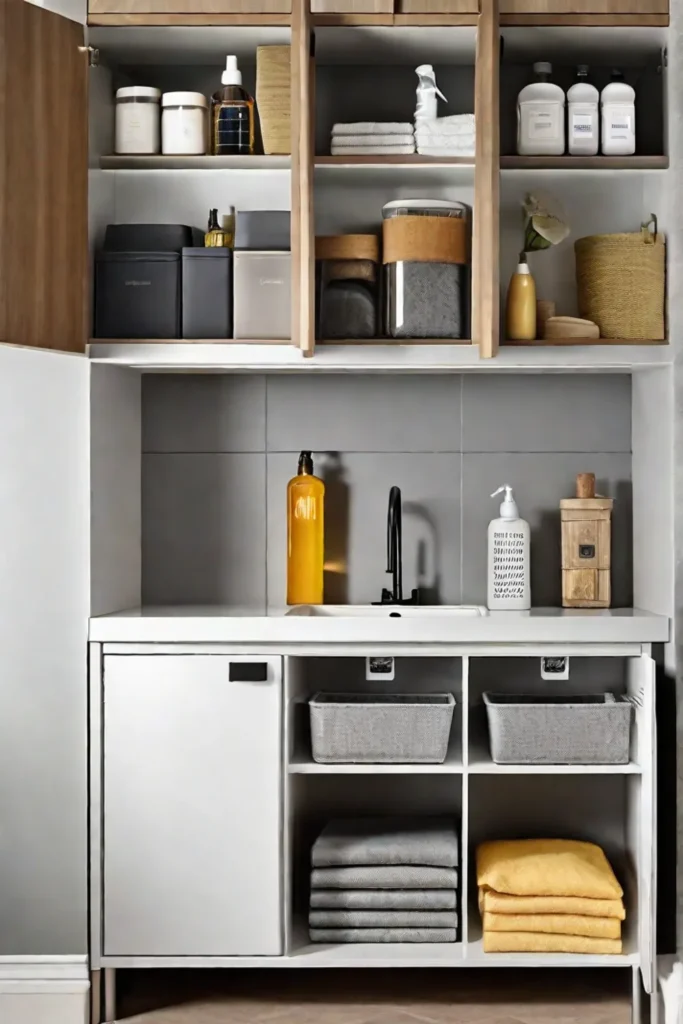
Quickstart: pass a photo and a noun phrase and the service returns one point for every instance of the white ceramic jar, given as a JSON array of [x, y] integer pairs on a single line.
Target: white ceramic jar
[[184, 124], [137, 120]]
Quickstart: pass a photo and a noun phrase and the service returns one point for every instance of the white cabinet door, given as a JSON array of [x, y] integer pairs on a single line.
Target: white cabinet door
[[44, 513], [192, 794]]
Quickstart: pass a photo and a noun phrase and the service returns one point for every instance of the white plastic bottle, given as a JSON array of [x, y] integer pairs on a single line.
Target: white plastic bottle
[[618, 117], [583, 123], [540, 116], [509, 584], [427, 92]]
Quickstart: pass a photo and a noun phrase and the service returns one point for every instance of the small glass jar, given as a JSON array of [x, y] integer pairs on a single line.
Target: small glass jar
[[347, 286], [137, 121], [184, 124]]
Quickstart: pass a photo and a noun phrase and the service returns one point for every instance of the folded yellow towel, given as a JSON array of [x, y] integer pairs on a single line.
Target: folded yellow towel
[[533, 942], [546, 867], [554, 924], [503, 903]]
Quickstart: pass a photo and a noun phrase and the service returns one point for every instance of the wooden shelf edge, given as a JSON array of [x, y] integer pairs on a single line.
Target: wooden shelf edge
[[550, 163], [189, 341], [396, 342], [188, 20], [394, 159], [586, 20], [587, 342]]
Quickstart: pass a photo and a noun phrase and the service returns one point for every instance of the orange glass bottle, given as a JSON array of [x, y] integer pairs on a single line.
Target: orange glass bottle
[[305, 535]]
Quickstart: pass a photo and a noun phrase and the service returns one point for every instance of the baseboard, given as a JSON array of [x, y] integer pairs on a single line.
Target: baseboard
[[44, 990]]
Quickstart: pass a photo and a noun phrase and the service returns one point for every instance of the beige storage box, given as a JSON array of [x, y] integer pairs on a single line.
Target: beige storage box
[[262, 288]]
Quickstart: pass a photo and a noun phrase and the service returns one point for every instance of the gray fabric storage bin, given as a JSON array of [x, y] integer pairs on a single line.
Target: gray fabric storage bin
[[356, 728], [559, 730], [207, 293]]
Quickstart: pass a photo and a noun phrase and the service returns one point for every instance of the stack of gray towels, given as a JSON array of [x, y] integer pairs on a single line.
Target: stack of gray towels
[[385, 880]]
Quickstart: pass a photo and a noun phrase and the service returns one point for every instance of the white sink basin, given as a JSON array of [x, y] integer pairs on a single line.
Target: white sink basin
[[383, 611]]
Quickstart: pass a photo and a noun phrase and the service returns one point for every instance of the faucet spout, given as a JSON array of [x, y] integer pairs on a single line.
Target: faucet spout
[[395, 544]]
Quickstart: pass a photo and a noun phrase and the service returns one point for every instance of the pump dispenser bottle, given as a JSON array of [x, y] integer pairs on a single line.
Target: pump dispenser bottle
[[232, 115], [305, 535], [509, 585]]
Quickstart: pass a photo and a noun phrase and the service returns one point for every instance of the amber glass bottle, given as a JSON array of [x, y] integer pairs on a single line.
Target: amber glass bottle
[[232, 115], [305, 535]]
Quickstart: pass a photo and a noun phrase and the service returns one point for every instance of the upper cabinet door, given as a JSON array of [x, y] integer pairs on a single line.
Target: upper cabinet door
[[303, 231], [43, 179]]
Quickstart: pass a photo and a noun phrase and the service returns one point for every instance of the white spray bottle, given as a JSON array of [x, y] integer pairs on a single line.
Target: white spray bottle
[[509, 584], [427, 92]]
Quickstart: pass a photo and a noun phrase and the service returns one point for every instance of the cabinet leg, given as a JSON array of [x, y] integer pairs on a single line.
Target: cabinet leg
[[95, 997], [109, 994]]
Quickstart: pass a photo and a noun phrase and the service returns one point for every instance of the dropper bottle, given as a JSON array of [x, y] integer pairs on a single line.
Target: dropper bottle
[[232, 115]]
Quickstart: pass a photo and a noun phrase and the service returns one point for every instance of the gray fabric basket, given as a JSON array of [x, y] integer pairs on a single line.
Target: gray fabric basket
[[559, 730], [355, 728]]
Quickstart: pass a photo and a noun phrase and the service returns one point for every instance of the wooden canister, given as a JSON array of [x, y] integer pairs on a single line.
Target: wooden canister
[[586, 547]]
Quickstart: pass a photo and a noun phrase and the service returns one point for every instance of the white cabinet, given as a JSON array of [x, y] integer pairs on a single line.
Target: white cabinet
[[191, 805]]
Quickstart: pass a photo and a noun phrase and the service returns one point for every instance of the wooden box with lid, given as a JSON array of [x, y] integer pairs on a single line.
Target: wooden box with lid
[[586, 547]]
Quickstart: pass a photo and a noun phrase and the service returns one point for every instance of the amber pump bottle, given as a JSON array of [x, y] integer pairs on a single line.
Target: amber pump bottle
[[232, 115], [305, 535]]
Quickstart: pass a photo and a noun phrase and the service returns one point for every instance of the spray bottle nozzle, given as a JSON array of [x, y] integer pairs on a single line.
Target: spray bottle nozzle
[[427, 91], [508, 507]]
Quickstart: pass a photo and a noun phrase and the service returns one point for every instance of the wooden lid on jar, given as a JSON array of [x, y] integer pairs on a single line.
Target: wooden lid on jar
[[347, 247]]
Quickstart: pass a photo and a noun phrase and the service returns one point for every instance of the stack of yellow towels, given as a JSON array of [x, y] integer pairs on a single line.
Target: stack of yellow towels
[[548, 896]]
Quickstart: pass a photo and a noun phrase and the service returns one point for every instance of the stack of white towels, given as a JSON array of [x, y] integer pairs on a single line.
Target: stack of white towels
[[385, 880], [446, 136], [377, 138]]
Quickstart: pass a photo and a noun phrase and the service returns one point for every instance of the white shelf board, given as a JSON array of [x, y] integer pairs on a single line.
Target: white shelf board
[[195, 163], [388, 357], [378, 954], [183, 44]]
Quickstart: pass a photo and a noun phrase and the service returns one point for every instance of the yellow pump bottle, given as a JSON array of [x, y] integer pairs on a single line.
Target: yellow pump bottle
[[305, 535], [520, 312]]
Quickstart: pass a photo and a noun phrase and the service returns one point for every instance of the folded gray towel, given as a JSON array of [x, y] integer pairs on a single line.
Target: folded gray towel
[[402, 876], [383, 899], [382, 934], [365, 841], [383, 919]]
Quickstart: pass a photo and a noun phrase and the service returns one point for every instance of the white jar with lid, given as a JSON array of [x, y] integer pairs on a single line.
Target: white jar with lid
[[184, 124], [137, 120]]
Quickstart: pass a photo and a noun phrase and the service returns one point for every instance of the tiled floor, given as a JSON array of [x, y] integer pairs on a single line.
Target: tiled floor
[[376, 997]]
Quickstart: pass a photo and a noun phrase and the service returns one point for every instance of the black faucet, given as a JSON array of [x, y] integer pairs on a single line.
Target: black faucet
[[395, 552]]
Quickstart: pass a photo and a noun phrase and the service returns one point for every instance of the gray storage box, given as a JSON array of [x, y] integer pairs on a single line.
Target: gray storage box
[[263, 230], [207, 293], [262, 288], [559, 730], [359, 728]]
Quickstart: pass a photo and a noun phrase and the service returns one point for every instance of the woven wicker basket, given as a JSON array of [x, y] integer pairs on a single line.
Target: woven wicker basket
[[620, 281], [273, 97]]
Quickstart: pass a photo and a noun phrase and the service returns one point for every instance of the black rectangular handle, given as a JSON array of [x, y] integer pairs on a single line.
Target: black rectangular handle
[[248, 671]]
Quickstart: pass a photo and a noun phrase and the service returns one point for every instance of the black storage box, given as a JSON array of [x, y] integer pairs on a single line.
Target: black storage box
[[147, 237], [207, 293], [137, 295]]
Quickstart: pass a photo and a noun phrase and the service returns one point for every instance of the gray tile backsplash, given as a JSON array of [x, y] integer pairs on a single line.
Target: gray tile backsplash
[[214, 520]]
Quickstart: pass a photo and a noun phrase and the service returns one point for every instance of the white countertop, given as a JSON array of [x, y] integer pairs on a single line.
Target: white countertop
[[221, 625]]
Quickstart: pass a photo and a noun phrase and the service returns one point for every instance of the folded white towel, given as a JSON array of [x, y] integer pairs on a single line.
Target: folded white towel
[[456, 124], [372, 150], [454, 142], [445, 151], [407, 139], [373, 128]]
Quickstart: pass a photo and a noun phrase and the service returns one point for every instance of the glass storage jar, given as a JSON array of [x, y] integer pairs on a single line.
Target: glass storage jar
[[426, 259], [184, 124], [137, 120], [346, 277]]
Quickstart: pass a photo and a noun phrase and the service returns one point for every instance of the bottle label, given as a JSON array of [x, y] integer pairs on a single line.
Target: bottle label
[[620, 127], [543, 124], [509, 565], [582, 126]]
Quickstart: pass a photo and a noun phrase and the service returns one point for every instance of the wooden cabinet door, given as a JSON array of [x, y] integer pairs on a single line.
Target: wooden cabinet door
[[192, 765], [303, 231], [43, 179]]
